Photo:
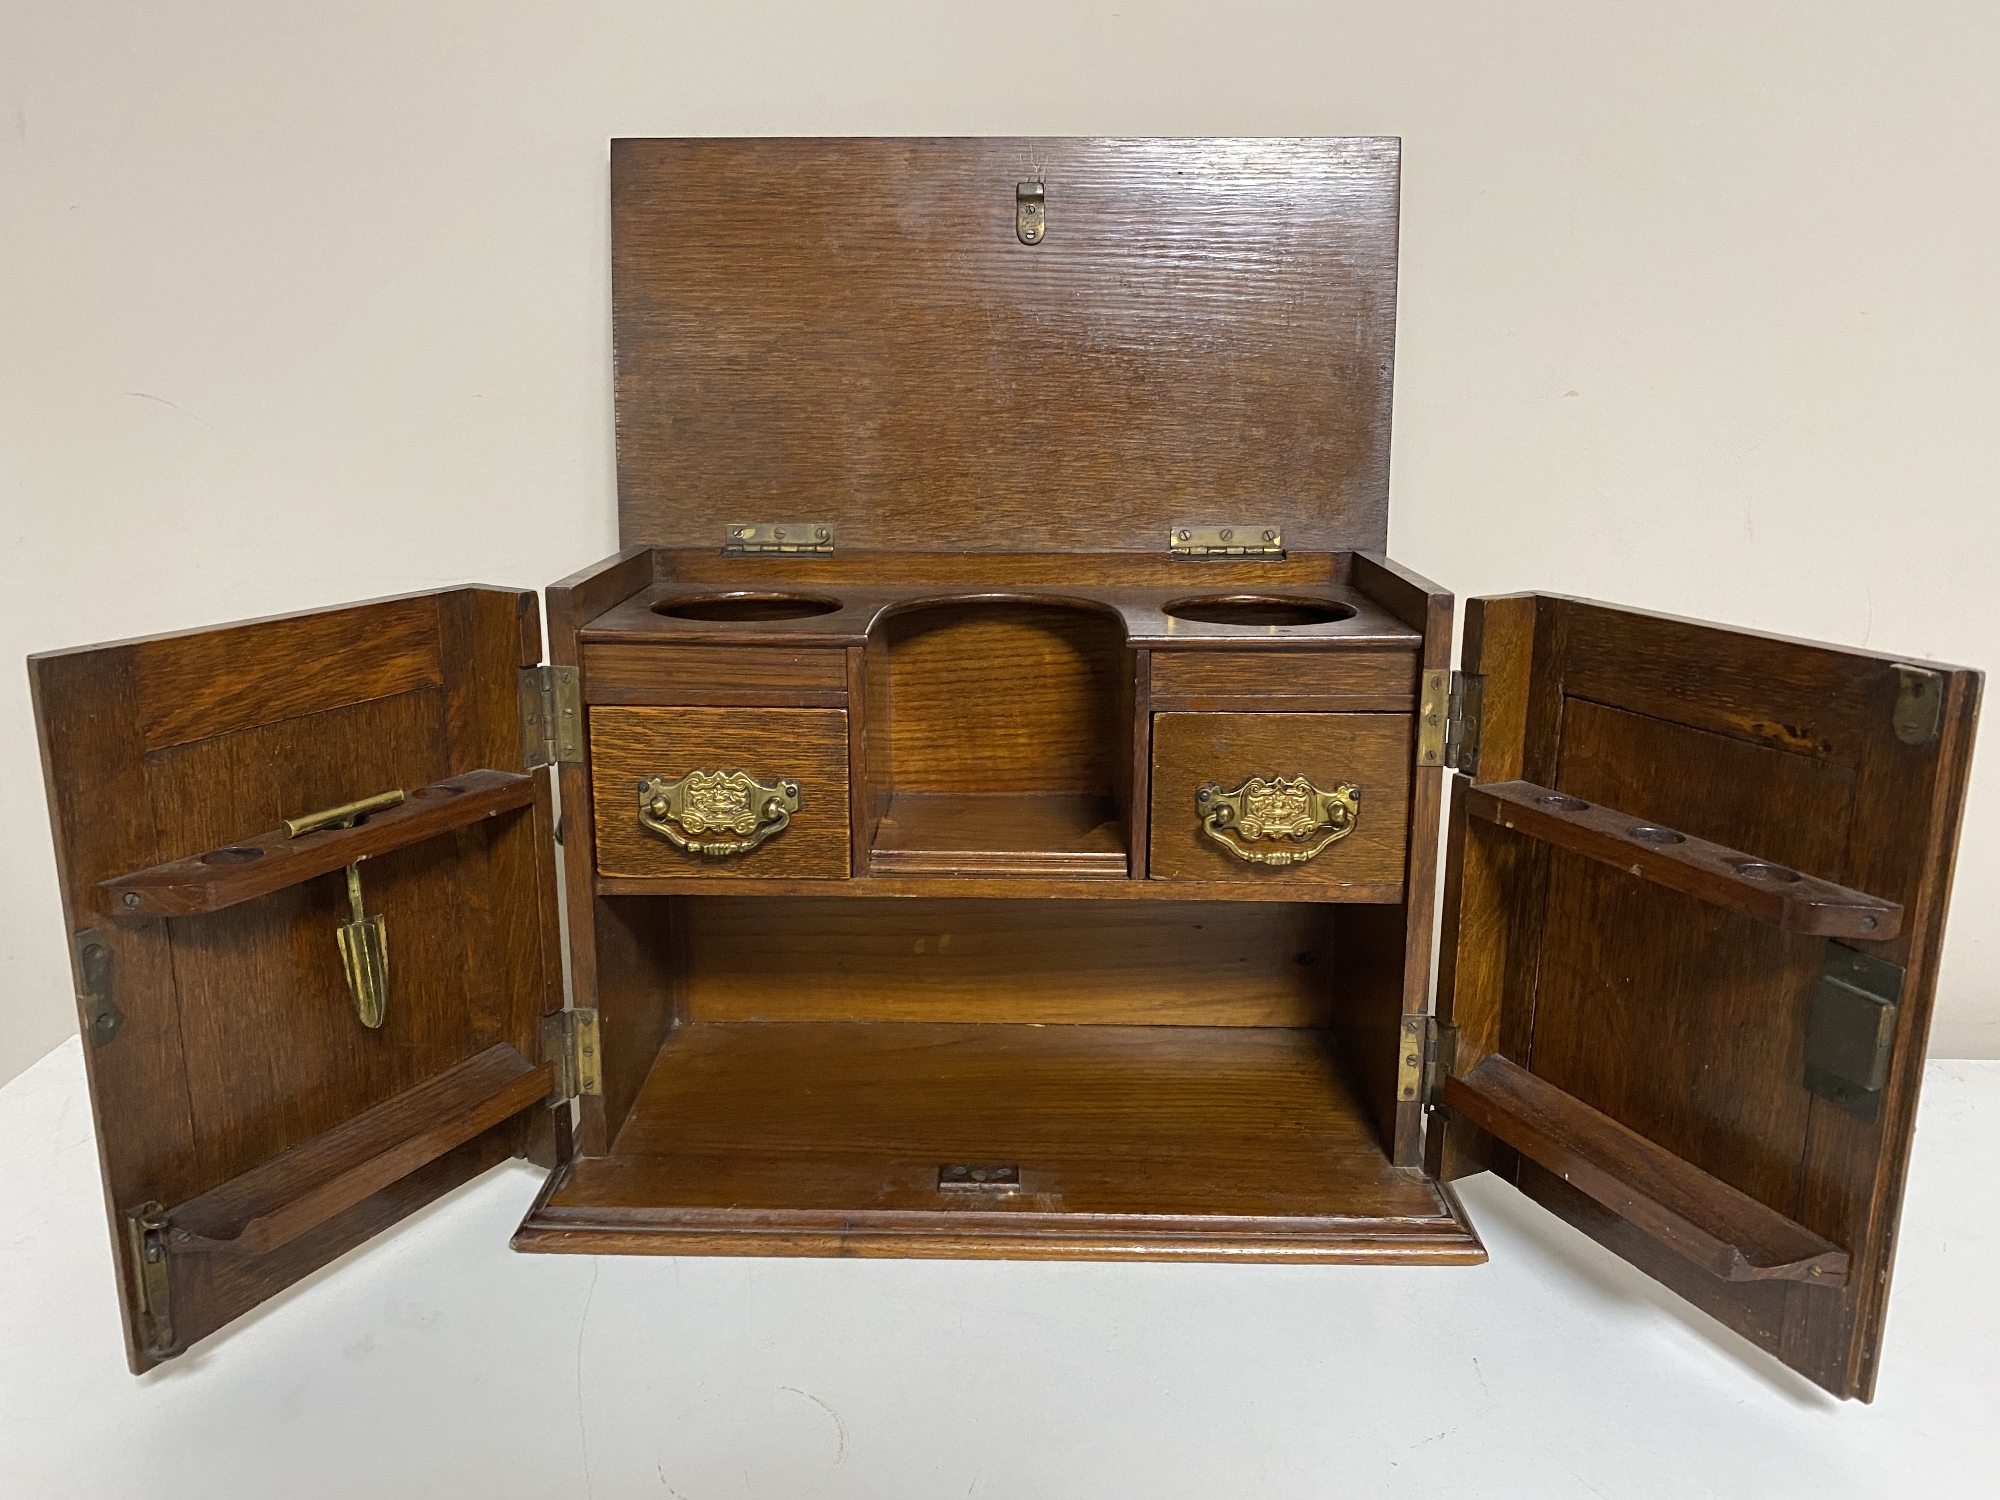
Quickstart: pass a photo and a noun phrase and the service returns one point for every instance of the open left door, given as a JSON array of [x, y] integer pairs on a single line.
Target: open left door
[[297, 1036], [1693, 908]]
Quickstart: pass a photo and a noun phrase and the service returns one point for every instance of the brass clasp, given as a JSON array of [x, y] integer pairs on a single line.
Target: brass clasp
[[1261, 810], [363, 940]]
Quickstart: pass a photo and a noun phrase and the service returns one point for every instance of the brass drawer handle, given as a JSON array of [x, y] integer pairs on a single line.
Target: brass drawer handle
[[717, 802], [1277, 809]]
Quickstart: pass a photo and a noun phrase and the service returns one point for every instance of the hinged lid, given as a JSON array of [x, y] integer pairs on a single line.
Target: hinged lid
[[1004, 345]]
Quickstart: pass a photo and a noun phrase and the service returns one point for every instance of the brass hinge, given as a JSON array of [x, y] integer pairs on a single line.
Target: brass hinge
[[1448, 713], [146, 1234], [551, 704], [778, 539], [1198, 542], [1851, 1029], [1425, 1058], [569, 1047]]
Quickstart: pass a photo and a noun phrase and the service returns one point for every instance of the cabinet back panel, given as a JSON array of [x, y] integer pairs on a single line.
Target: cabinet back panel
[[1102, 962], [1005, 697]]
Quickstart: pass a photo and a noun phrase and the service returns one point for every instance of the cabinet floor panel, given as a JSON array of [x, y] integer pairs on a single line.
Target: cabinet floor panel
[[827, 1138]]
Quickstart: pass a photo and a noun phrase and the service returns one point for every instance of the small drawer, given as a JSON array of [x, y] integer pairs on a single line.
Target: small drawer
[[684, 672], [1369, 752], [1371, 681], [802, 835]]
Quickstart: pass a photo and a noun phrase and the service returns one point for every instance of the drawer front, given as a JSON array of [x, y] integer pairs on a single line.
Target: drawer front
[[802, 746], [1371, 752], [692, 673], [1381, 681]]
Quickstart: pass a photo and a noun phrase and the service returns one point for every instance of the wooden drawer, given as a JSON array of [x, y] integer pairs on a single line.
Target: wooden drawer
[[696, 673], [1376, 681], [807, 746], [1368, 751]]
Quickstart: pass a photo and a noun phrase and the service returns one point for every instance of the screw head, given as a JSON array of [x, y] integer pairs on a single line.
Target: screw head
[[131, 898]]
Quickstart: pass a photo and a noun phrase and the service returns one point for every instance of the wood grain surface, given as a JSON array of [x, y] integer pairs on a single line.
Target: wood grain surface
[[240, 1040], [269, 861], [1152, 1141], [1009, 833], [697, 673], [274, 1203], [1733, 879], [1045, 962], [1004, 696], [1380, 681], [852, 327], [1370, 751], [1729, 1234], [806, 745], [1683, 1021]]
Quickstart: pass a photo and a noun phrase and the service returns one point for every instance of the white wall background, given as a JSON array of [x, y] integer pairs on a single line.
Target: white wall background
[[302, 304]]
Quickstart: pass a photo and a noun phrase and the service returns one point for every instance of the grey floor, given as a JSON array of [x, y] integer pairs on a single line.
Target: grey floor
[[436, 1362]]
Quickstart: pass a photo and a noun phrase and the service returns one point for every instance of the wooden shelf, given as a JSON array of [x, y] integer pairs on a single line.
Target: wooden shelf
[[1020, 834], [1726, 1232], [1713, 873], [275, 1203], [240, 872], [1160, 1142], [1005, 887]]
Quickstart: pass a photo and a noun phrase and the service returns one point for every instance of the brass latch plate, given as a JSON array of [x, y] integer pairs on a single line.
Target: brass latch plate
[[1919, 711], [551, 709], [570, 1048], [778, 539], [1030, 212], [1240, 540], [1851, 1030], [101, 1018], [992, 1177]]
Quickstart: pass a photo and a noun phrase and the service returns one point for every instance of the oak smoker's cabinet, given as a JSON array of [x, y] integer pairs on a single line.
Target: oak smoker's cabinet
[[1000, 787]]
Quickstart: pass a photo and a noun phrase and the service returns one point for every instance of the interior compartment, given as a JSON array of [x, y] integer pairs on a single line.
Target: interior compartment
[[1157, 1142], [999, 740], [1167, 1079]]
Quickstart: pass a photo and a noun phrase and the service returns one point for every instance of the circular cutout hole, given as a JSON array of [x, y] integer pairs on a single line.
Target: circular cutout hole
[[441, 789], [236, 854], [1562, 803], [1260, 610], [1652, 833], [1752, 869], [746, 607]]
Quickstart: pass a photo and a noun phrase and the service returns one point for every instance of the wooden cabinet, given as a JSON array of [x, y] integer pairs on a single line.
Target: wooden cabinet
[[1035, 849]]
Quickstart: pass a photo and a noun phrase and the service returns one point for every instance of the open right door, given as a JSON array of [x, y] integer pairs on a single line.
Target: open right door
[[1693, 910]]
